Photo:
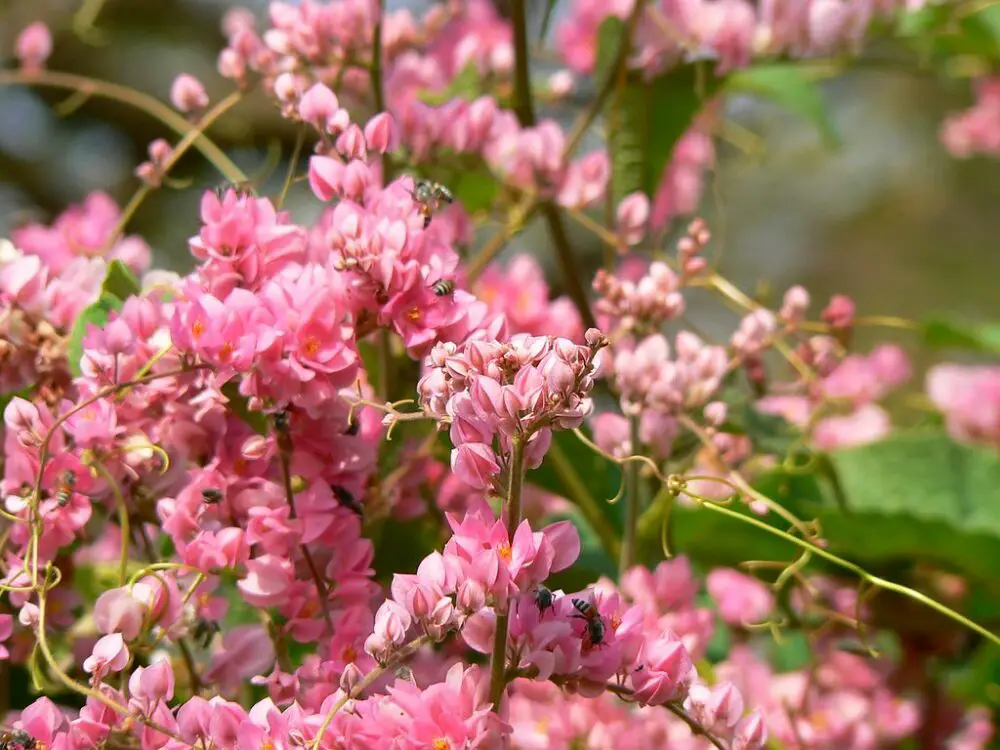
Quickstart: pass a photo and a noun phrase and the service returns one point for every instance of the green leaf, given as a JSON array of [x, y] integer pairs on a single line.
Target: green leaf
[[240, 406], [593, 562], [919, 496], [770, 433], [574, 471], [550, 6], [913, 496], [979, 678], [949, 333], [938, 30], [96, 314], [609, 39], [650, 119], [6, 398], [463, 86], [120, 282], [789, 85], [400, 547], [475, 190]]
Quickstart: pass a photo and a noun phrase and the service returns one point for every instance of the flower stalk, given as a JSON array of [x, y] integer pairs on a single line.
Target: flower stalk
[[498, 661]]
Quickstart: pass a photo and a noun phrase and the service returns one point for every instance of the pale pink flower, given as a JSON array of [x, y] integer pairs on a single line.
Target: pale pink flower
[[33, 46], [742, 599], [187, 94], [110, 654]]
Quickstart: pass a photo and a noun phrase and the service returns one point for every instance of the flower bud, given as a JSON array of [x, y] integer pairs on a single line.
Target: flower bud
[[187, 94]]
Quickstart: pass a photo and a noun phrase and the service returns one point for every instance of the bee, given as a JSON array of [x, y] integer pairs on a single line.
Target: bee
[[443, 287], [282, 421], [204, 632], [595, 623], [430, 195], [17, 739], [242, 189], [544, 599], [347, 500], [211, 495], [64, 490]]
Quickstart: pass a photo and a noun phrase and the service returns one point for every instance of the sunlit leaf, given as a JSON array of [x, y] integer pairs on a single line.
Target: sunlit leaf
[[789, 85]]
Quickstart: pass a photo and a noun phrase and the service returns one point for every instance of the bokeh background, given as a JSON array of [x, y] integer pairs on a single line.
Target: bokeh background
[[887, 217]]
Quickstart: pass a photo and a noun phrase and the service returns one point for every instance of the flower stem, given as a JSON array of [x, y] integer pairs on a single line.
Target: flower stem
[[148, 104], [402, 655], [498, 662], [632, 489]]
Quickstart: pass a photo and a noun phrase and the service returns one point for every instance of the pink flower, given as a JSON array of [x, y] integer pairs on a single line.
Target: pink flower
[[42, 720], [187, 94], [110, 654], [247, 651], [117, 611], [868, 424], [742, 600], [33, 46], [214, 551], [969, 396], [632, 216], [6, 630], [150, 685], [380, 133], [318, 107], [750, 732], [475, 464], [666, 671]]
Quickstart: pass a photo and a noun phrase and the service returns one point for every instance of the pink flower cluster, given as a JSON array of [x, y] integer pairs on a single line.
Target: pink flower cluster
[[853, 388], [647, 377], [521, 389], [729, 31], [976, 130], [969, 396], [520, 293]]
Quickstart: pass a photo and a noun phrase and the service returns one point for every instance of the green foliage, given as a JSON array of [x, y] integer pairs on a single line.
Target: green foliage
[[944, 30], [919, 496], [572, 468], [402, 546], [466, 85], [949, 333], [475, 190], [908, 497], [790, 85], [119, 284], [119, 281], [240, 406], [95, 314], [912, 496], [593, 562], [979, 678], [646, 119]]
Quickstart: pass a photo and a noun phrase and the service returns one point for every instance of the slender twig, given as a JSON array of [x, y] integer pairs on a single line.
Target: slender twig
[[148, 104], [377, 88], [43, 450], [284, 441], [189, 139], [632, 479], [498, 660], [292, 164], [69, 682], [519, 216], [404, 653], [526, 116], [123, 519]]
